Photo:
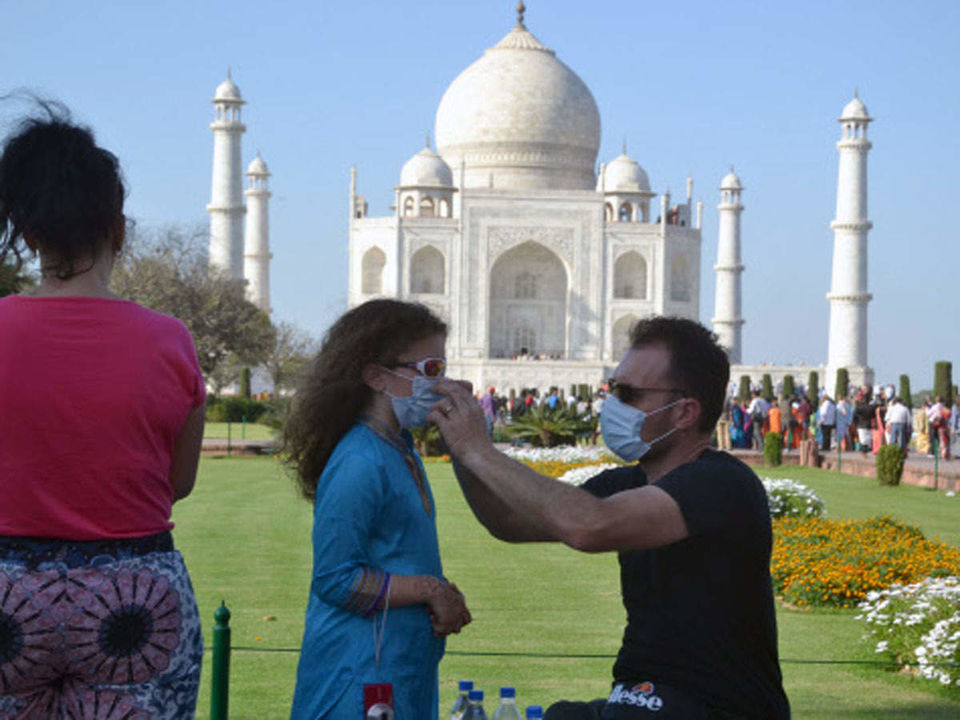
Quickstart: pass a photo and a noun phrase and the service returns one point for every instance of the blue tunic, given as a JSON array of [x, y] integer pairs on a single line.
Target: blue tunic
[[372, 518]]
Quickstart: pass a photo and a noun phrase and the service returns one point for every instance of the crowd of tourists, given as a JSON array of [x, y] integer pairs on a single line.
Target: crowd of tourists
[[874, 417]]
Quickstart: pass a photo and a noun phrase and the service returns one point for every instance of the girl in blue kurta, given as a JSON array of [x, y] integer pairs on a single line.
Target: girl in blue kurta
[[376, 556]]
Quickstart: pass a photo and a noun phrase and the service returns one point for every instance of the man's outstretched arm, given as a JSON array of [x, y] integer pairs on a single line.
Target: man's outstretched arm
[[544, 508], [501, 520]]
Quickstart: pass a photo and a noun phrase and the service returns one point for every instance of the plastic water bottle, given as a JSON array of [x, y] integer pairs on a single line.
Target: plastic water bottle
[[534, 712], [462, 701], [508, 705], [475, 710]]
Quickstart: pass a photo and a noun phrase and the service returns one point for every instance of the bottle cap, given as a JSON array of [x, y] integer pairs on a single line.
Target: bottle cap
[[508, 692], [476, 694], [466, 684], [534, 712]]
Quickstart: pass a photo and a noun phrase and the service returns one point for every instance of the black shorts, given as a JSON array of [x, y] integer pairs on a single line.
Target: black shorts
[[637, 701]]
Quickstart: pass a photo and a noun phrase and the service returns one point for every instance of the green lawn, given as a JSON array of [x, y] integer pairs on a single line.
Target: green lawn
[[237, 431], [246, 539]]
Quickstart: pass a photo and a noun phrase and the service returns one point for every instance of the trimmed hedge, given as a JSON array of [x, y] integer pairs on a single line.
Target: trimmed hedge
[[890, 461], [234, 408], [813, 387], [843, 383], [767, 389], [743, 393], [942, 384], [905, 391], [773, 449], [788, 387]]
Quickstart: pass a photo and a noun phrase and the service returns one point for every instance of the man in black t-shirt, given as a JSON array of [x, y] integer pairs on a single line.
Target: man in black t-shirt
[[691, 526]]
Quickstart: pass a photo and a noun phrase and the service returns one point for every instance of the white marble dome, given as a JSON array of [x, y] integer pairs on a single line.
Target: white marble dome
[[520, 119], [730, 182], [426, 169], [624, 174], [257, 166], [227, 90], [855, 110]]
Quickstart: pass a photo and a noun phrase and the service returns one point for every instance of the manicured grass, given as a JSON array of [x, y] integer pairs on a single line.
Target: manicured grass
[[252, 431], [246, 538]]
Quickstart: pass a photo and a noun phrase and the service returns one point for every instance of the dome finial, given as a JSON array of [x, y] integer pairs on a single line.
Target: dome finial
[[856, 92], [428, 138], [521, 9], [228, 73], [624, 148]]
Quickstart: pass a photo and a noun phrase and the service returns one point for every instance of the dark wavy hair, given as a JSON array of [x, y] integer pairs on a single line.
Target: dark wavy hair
[[698, 365], [59, 189], [332, 393]]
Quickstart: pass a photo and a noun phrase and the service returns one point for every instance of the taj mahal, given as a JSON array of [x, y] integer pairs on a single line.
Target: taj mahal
[[539, 258]]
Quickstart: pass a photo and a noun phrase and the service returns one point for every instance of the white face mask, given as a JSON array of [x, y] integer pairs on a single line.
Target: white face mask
[[412, 410], [621, 425]]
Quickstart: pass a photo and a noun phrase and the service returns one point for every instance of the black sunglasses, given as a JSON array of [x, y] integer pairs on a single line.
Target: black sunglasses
[[630, 394]]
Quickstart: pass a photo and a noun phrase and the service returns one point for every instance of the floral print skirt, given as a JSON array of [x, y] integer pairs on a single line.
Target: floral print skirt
[[101, 630]]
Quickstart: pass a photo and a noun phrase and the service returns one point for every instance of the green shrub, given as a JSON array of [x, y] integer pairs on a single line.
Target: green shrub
[[890, 461], [773, 449], [843, 383], [942, 384], [744, 389], [813, 386], [905, 391], [788, 387], [234, 408], [767, 390], [276, 413], [543, 427], [427, 440]]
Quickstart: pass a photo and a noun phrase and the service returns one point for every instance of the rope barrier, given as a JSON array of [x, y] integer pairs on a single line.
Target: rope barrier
[[605, 656]]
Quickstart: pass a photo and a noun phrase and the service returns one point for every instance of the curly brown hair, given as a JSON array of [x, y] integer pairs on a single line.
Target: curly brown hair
[[332, 393]]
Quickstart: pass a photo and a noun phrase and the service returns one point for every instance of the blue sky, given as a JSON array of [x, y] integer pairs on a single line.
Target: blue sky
[[693, 86]]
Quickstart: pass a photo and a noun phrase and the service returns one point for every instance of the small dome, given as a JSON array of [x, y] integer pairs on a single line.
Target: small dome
[[426, 169], [257, 166], [624, 174], [227, 90], [855, 110], [731, 182]]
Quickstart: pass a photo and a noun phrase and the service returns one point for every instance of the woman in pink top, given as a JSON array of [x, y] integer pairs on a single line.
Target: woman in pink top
[[101, 422]]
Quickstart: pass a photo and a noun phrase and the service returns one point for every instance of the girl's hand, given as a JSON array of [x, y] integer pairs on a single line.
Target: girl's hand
[[448, 609]]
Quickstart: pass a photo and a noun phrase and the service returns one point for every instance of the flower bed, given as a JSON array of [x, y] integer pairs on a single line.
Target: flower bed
[[789, 498], [570, 454], [918, 627], [819, 562]]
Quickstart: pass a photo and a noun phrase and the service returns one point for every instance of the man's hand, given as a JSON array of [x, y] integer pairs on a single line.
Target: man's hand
[[460, 418]]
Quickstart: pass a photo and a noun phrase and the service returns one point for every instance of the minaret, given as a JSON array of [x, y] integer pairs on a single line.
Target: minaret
[[727, 322], [256, 251], [226, 198], [848, 294]]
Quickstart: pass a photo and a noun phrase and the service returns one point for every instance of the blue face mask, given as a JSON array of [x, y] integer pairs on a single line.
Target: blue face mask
[[621, 425], [412, 410]]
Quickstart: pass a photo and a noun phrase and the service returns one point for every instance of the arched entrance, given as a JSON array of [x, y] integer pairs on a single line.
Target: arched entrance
[[528, 302]]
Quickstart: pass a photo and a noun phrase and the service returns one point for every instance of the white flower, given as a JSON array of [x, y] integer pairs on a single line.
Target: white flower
[[579, 475]]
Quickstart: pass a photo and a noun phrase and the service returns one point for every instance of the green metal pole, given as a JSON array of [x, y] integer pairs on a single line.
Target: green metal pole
[[839, 443], [220, 681], [229, 428], [243, 429]]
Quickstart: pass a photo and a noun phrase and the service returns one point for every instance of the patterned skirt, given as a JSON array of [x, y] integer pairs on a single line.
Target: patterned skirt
[[102, 630]]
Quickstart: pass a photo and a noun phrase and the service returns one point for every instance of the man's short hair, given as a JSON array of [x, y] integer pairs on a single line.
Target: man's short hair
[[698, 365]]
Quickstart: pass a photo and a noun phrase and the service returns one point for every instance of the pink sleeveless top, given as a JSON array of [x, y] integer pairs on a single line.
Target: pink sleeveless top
[[93, 393]]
